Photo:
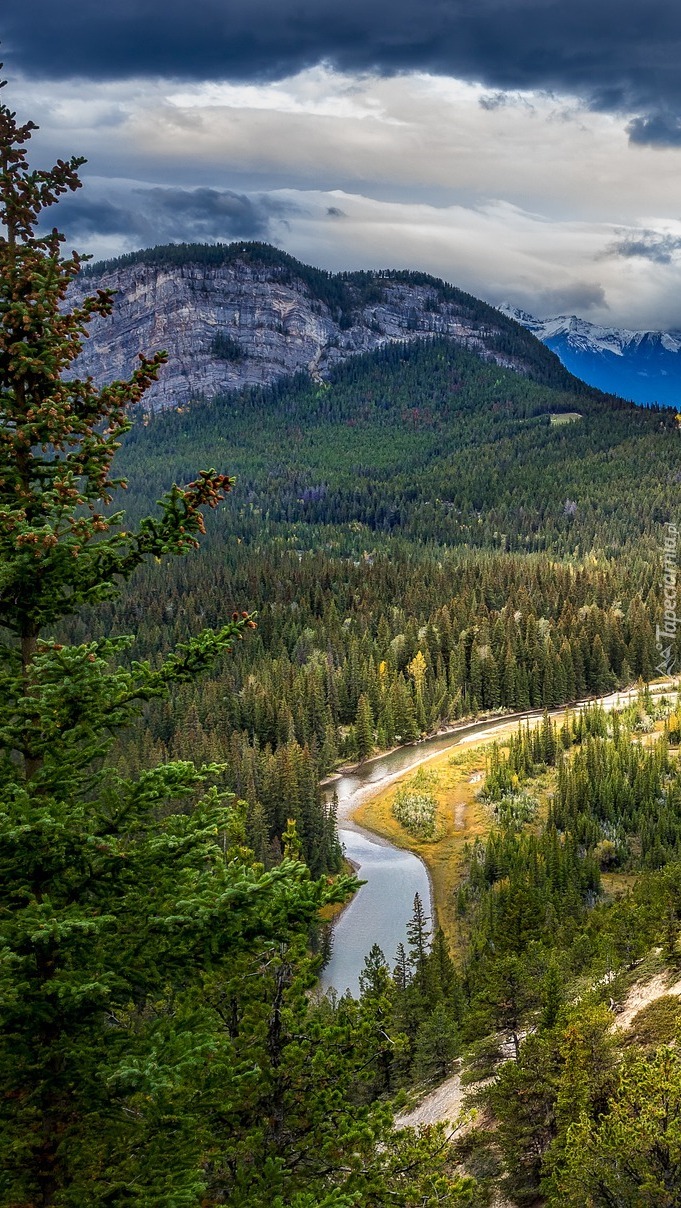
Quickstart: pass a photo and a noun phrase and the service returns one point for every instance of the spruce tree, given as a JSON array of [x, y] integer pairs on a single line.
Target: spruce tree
[[629, 1154], [118, 896], [436, 1047], [418, 935], [364, 728]]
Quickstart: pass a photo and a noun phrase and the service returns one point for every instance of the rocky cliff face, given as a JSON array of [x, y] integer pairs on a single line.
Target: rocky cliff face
[[249, 321]]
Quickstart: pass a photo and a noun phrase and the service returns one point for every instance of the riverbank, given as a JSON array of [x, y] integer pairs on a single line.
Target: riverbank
[[456, 727], [503, 718], [392, 861], [455, 777]]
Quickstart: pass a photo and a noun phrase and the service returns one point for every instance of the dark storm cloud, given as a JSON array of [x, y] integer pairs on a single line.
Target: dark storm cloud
[[209, 212], [661, 129], [649, 245], [616, 54], [167, 214], [83, 216]]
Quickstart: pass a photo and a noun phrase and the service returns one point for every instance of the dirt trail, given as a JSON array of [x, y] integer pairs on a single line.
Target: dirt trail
[[444, 1103], [642, 994]]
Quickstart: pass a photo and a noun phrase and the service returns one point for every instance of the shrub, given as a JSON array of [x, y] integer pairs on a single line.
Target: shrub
[[656, 1024], [515, 809], [417, 812]]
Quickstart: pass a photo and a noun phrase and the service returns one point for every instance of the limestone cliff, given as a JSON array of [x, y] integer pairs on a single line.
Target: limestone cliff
[[248, 314]]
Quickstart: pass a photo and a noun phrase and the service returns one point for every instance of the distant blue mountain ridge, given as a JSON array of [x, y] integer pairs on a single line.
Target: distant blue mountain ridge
[[644, 366]]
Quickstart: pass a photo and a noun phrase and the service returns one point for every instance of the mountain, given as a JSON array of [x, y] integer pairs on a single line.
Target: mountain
[[246, 314], [644, 366]]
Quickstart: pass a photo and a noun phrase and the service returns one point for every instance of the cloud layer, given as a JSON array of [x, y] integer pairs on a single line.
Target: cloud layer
[[617, 55], [520, 196], [539, 163], [146, 216]]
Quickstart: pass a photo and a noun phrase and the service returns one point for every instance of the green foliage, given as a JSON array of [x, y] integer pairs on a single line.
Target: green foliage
[[364, 728], [515, 809], [437, 1044], [290, 1098], [631, 1154], [537, 1097], [226, 348], [428, 442], [658, 1023], [624, 792]]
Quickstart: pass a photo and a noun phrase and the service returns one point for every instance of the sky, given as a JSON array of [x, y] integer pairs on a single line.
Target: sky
[[528, 151]]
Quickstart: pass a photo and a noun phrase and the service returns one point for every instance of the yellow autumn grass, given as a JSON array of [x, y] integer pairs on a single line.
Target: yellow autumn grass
[[455, 778]]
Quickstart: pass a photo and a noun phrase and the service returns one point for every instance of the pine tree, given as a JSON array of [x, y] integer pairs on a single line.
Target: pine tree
[[443, 979], [364, 728], [553, 996], [418, 935], [117, 895], [630, 1154], [437, 1044], [377, 995]]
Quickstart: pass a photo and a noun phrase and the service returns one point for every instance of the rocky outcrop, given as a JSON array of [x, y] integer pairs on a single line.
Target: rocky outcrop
[[245, 322]]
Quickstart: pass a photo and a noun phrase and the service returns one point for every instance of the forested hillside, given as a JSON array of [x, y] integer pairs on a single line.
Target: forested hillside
[[566, 908]]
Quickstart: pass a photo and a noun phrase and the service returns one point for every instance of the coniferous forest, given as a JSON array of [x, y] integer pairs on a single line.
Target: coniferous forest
[[416, 541]]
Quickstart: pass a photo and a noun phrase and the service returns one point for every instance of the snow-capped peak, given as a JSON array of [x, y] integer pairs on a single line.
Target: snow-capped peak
[[583, 336], [641, 365]]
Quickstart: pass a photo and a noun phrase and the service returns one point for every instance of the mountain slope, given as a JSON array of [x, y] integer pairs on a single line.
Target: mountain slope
[[644, 366], [426, 442], [246, 314]]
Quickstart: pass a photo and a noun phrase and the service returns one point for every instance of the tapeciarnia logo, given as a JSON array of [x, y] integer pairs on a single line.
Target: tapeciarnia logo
[[666, 633]]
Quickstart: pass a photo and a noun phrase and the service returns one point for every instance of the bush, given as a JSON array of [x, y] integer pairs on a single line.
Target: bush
[[417, 812], [515, 809], [656, 1024]]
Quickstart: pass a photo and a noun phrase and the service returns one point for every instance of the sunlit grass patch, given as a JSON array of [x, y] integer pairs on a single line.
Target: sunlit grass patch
[[564, 417]]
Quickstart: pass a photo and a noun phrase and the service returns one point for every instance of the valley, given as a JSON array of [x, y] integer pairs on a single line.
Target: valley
[[455, 764], [425, 542], [340, 645]]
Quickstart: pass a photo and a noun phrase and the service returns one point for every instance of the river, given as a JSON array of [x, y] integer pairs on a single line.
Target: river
[[381, 909]]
